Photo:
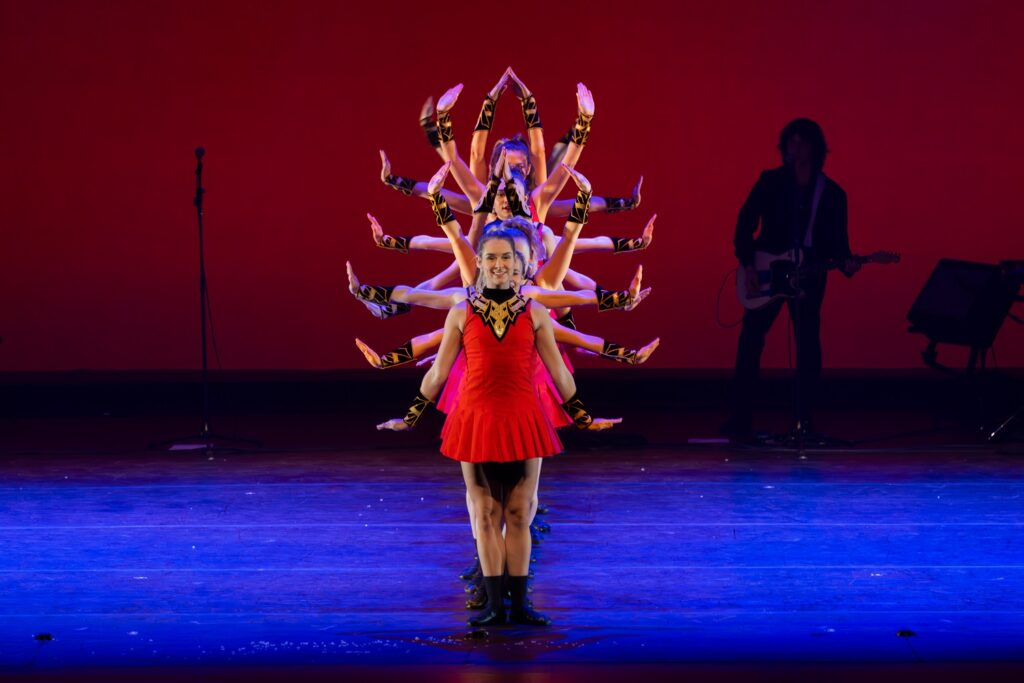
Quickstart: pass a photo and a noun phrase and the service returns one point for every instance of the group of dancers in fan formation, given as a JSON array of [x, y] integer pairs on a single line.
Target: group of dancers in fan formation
[[500, 372]]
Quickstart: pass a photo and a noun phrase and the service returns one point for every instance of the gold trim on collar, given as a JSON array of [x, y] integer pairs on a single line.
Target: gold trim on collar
[[498, 317]]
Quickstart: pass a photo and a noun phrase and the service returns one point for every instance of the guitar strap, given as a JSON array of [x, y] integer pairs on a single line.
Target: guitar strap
[[819, 188]]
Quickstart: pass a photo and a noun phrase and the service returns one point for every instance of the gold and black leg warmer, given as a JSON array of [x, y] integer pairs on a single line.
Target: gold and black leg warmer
[[531, 116], [375, 294], [400, 183], [416, 410], [617, 204], [486, 204], [430, 130], [395, 243], [515, 200], [624, 244], [578, 414], [581, 131], [608, 300], [400, 356], [442, 213], [486, 118], [391, 310], [444, 126], [580, 208], [567, 320], [617, 353]]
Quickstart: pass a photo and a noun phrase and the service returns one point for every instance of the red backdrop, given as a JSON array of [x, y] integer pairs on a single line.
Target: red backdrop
[[103, 104]]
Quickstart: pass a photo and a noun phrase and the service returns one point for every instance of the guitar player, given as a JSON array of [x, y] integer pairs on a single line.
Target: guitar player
[[794, 204]]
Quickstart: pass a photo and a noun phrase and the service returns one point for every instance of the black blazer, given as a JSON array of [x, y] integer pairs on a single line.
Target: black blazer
[[772, 204]]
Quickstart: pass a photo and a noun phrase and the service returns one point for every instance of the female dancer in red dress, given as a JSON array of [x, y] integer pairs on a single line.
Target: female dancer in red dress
[[499, 430]]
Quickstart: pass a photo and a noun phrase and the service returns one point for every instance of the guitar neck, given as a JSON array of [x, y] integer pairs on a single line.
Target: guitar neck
[[833, 263]]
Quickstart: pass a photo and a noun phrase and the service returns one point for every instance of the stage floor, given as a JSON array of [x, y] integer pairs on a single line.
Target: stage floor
[[718, 560]]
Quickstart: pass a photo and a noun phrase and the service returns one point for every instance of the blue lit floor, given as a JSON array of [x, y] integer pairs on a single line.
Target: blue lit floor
[[661, 556]]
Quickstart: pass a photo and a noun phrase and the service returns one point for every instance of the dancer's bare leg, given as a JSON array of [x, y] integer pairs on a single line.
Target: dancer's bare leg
[[485, 499], [520, 508]]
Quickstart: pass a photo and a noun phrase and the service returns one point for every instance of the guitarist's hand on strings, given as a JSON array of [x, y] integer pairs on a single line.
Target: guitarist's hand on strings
[[851, 266]]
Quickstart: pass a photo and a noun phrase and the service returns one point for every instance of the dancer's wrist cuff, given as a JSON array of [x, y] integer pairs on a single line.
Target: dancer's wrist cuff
[[416, 410], [579, 415]]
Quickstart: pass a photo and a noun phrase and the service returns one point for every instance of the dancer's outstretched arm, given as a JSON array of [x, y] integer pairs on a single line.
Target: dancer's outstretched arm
[[421, 345], [415, 188], [534, 128], [578, 280], [553, 271], [485, 208], [552, 359], [442, 299], [605, 300], [442, 279], [429, 126], [435, 378], [410, 351], [602, 347], [545, 194], [445, 219], [562, 207], [407, 243], [618, 245], [478, 143], [467, 182]]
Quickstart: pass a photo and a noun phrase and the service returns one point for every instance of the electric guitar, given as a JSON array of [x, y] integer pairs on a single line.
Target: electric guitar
[[778, 275]]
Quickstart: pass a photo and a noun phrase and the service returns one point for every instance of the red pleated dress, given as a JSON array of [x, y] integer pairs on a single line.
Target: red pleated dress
[[545, 387], [499, 415]]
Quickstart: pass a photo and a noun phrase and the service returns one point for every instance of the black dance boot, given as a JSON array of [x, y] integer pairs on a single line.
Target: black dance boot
[[477, 600], [522, 612], [470, 572], [494, 613]]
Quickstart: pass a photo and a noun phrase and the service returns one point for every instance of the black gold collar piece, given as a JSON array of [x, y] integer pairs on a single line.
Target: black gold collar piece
[[497, 316]]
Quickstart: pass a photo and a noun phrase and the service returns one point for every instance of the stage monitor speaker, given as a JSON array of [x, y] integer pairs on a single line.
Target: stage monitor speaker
[[962, 303]]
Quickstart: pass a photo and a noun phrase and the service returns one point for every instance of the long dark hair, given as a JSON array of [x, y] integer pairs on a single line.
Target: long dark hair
[[811, 133]]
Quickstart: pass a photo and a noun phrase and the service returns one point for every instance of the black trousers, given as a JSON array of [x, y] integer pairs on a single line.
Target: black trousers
[[756, 325]]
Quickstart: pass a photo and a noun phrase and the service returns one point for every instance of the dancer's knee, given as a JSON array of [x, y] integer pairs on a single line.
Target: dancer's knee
[[520, 510], [486, 514]]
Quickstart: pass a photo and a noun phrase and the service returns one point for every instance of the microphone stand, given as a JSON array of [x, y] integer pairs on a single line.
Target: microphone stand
[[206, 438]]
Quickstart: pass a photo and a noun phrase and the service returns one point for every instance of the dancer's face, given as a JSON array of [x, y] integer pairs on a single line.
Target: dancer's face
[[519, 160], [501, 209], [517, 274], [516, 159], [497, 261], [523, 247]]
